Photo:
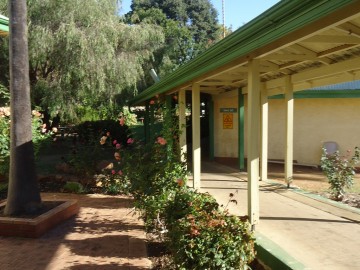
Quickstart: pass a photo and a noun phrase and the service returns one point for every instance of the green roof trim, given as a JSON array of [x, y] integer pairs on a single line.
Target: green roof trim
[[4, 24], [278, 21], [322, 94]]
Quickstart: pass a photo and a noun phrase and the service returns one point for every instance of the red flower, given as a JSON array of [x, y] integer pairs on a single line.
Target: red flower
[[161, 140]]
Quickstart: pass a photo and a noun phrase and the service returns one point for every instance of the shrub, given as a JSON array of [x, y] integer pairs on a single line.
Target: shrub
[[89, 132], [112, 182], [198, 233], [74, 187], [154, 176], [38, 137], [339, 170], [202, 236]]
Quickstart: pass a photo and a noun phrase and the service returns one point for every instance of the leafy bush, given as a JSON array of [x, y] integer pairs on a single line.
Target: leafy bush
[[112, 182], [339, 170], [38, 137], [74, 187], [198, 233], [90, 131], [202, 236], [153, 176]]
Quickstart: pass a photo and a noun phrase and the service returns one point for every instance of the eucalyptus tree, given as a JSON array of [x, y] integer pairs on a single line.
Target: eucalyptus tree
[[82, 55], [23, 193], [190, 27]]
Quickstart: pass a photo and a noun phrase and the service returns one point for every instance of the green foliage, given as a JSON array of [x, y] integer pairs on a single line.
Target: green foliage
[[4, 96], [82, 55], [39, 138], [198, 233], [190, 27], [74, 187], [90, 132], [84, 159], [3, 187], [339, 170], [204, 237], [113, 183]]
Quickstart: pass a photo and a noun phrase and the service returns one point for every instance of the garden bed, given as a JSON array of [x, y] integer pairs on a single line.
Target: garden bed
[[35, 225]]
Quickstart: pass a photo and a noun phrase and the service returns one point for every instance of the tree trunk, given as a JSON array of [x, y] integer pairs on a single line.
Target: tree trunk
[[23, 193]]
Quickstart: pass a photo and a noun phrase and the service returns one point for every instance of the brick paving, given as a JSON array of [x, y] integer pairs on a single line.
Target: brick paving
[[104, 235]]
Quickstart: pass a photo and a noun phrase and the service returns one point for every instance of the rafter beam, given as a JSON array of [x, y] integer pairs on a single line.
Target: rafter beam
[[345, 66], [291, 57], [332, 39], [307, 51], [336, 49], [211, 83], [350, 29]]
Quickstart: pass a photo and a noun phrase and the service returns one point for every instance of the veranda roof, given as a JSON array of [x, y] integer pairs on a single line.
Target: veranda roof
[[4, 25], [316, 43]]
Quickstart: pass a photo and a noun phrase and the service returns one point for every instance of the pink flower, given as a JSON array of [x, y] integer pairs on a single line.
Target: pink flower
[[120, 172], [117, 146], [114, 142], [161, 140], [152, 102], [122, 121], [113, 172], [130, 141]]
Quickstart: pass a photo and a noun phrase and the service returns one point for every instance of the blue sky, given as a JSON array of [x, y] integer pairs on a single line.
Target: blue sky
[[237, 12]]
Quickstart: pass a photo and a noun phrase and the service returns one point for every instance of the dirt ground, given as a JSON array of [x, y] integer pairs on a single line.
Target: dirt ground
[[313, 180]]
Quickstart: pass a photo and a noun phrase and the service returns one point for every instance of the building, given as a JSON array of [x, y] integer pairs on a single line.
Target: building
[[293, 46]]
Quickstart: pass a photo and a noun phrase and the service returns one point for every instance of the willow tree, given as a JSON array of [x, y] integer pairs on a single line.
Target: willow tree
[[23, 193], [81, 54]]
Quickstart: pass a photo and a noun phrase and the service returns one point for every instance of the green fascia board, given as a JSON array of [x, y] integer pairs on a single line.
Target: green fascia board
[[4, 28], [322, 94], [278, 21], [4, 23]]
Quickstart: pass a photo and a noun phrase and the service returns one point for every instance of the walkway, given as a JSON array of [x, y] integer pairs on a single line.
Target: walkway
[[104, 235], [314, 233]]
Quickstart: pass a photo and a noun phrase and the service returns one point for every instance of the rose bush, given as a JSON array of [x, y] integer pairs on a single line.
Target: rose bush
[[39, 137], [199, 233]]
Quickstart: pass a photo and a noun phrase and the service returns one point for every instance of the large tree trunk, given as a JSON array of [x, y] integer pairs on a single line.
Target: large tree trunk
[[23, 194]]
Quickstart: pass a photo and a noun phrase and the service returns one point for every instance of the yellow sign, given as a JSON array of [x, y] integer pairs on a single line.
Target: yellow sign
[[228, 121]]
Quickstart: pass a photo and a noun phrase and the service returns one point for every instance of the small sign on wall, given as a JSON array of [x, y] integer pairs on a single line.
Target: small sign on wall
[[228, 110], [228, 121]]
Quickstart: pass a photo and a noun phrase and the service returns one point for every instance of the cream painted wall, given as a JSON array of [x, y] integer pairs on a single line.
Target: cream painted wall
[[225, 140], [315, 121]]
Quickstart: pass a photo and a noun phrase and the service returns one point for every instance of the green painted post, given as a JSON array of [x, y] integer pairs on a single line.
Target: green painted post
[[241, 118], [211, 130]]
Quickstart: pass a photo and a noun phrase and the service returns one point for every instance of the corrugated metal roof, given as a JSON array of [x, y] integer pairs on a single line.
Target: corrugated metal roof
[[353, 85]]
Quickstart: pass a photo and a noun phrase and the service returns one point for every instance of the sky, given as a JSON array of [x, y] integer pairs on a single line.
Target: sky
[[237, 12]]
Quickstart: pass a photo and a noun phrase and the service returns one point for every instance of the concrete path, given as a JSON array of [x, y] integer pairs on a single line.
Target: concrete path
[[311, 231], [104, 235]]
